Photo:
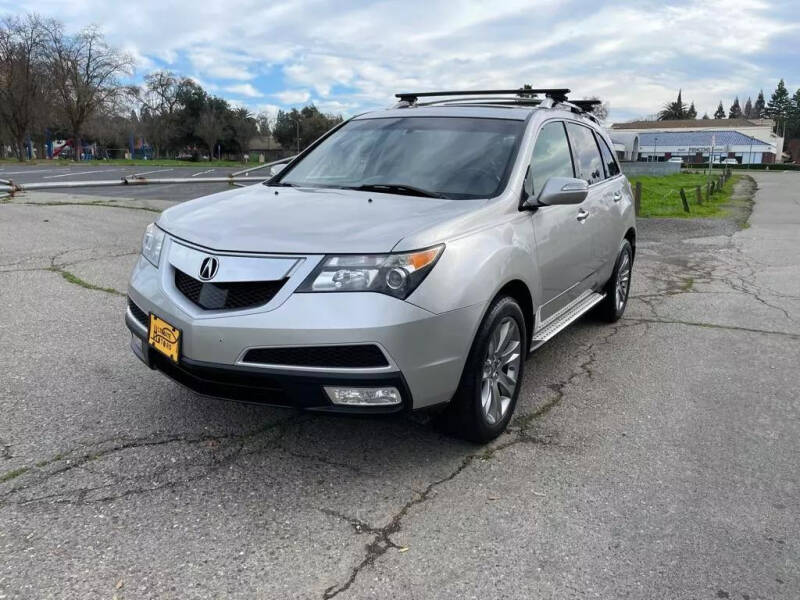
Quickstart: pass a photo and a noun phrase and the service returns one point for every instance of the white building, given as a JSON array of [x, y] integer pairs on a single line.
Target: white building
[[748, 141]]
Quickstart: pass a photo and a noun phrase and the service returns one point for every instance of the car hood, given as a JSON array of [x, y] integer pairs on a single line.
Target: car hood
[[307, 220]]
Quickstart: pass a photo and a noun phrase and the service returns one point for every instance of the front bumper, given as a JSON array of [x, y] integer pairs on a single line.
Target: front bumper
[[296, 389], [425, 351]]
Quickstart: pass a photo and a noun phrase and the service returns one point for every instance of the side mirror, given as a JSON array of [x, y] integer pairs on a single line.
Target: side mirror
[[275, 169], [561, 190]]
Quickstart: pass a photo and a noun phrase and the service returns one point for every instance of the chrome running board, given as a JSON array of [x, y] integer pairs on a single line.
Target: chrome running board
[[566, 316]]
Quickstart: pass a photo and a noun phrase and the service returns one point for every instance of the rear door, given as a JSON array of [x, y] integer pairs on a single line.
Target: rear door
[[562, 246], [611, 227]]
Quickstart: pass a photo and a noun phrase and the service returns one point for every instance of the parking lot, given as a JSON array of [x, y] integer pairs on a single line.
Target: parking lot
[[655, 458]]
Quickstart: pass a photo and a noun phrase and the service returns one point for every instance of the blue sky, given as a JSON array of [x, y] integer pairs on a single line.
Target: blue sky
[[349, 56]]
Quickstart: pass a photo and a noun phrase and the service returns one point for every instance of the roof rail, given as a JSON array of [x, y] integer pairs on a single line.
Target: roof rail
[[557, 94]]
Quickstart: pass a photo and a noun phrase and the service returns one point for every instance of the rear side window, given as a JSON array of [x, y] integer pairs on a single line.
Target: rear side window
[[551, 156], [588, 162], [612, 168]]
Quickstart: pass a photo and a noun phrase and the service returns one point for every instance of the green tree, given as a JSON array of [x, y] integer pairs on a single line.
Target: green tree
[[748, 108], [720, 112], [692, 112], [301, 127], [792, 137], [736, 111], [759, 107], [243, 128], [779, 104], [673, 111]]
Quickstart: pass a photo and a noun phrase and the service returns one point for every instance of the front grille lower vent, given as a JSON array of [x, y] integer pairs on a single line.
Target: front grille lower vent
[[358, 356], [138, 313], [226, 295]]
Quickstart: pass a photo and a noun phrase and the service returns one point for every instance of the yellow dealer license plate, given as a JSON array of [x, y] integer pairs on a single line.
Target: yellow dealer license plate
[[164, 337]]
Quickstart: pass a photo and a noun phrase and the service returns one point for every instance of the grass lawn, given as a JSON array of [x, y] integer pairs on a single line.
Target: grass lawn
[[162, 162], [661, 195]]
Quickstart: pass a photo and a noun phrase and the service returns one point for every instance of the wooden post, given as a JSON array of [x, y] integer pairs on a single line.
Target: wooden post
[[712, 190], [684, 200], [637, 198], [699, 193]]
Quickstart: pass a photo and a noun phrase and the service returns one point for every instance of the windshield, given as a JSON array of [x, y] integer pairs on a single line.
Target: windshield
[[447, 157]]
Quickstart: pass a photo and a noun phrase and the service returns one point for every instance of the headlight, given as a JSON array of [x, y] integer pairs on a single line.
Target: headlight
[[394, 274], [152, 242]]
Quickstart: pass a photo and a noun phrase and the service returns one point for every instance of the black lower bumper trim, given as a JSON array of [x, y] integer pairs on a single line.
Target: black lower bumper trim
[[302, 390]]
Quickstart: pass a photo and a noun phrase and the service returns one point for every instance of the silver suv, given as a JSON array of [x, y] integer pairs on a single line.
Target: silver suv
[[410, 258]]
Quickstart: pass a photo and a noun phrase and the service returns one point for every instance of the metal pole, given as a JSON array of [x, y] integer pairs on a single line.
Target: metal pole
[[16, 187], [711, 158], [264, 166]]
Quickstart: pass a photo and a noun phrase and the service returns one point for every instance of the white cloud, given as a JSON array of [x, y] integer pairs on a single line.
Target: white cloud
[[244, 89], [293, 96]]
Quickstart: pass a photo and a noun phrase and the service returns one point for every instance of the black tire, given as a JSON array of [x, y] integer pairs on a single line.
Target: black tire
[[465, 416], [611, 309]]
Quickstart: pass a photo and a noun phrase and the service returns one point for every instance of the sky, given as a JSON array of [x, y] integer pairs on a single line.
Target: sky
[[350, 56]]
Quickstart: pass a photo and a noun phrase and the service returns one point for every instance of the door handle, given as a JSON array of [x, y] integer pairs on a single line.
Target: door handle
[[617, 196], [582, 215]]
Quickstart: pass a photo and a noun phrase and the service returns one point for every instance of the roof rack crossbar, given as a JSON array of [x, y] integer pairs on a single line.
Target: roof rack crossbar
[[586, 105], [485, 100], [555, 93]]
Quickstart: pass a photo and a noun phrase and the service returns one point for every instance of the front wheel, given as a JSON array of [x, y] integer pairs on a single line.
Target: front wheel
[[618, 286], [487, 394]]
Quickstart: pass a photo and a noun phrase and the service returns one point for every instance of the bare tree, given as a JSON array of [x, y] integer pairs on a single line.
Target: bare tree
[[210, 127], [161, 101], [85, 74], [265, 123], [22, 77], [244, 128]]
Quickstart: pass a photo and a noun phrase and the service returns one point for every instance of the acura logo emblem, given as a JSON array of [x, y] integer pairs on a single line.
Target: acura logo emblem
[[209, 268]]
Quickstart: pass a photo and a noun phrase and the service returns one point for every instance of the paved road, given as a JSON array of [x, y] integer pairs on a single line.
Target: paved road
[[96, 171], [657, 458]]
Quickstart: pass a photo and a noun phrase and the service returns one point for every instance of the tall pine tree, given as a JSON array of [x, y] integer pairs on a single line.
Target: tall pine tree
[[736, 111], [748, 109], [779, 103], [692, 112], [759, 106], [720, 112]]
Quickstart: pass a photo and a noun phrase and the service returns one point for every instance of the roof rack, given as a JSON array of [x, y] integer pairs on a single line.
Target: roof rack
[[522, 96], [557, 94]]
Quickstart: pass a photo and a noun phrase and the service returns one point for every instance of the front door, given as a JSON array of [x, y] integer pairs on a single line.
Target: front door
[[563, 247]]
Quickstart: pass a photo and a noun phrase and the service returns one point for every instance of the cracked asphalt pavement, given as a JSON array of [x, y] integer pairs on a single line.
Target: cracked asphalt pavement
[[656, 458]]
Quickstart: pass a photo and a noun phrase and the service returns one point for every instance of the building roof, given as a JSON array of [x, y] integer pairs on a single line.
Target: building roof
[[687, 124], [699, 138]]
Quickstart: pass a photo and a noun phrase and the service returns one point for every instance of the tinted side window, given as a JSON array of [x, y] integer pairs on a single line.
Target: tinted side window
[[588, 162], [612, 168], [551, 156]]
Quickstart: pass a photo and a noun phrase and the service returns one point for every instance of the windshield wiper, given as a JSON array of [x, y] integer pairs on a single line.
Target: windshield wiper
[[278, 184], [396, 188]]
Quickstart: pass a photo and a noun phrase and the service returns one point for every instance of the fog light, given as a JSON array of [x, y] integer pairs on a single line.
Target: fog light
[[363, 396]]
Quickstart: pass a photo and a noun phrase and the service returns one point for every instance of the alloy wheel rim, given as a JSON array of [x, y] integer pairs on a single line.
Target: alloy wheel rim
[[623, 281], [500, 376]]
